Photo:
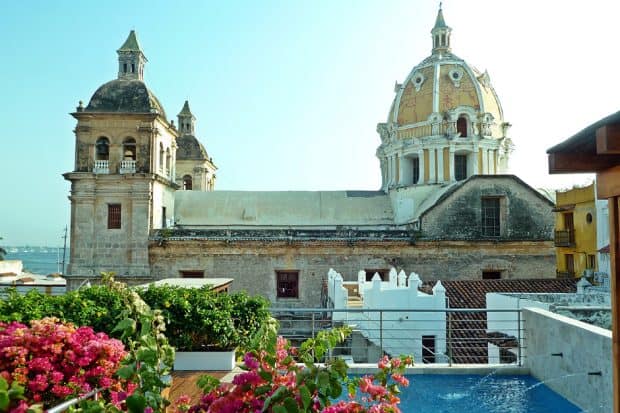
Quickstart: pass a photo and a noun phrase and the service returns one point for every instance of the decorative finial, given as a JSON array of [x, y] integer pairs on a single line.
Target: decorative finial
[[80, 107]]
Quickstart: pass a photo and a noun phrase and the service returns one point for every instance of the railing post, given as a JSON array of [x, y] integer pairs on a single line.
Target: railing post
[[449, 344], [381, 331], [519, 355], [312, 325]]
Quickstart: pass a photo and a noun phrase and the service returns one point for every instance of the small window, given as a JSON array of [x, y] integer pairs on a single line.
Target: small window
[[589, 218], [461, 126], [443, 39], [114, 216], [491, 275], [192, 274], [187, 183], [287, 284], [490, 217], [161, 156], [102, 149], [428, 349], [163, 217], [124, 67], [416, 170], [133, 68], [591, 262], [460, 167], [383, 273]]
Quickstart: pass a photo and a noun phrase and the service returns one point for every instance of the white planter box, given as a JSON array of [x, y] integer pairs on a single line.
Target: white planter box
[[205, 360]]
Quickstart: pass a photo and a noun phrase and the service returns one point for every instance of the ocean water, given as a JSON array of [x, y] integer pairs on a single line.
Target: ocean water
[[38, 260]]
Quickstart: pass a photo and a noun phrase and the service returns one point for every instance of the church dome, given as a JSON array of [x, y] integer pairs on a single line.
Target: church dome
[[125, 96], [189, 148]]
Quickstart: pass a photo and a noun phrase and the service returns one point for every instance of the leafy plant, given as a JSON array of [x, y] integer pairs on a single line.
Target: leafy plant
[[275, 382], [198, 319]]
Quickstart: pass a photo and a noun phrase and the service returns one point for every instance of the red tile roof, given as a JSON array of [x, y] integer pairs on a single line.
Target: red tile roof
[[469, 337]]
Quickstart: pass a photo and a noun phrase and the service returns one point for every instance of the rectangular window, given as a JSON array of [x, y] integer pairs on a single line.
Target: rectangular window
[[460, 167], [192, 274], [569, 262], [383, 273], [428, 349], [416, 170], [287, 284], [490, 217], [163, 217], [114, 216], [491, 275], [591, 262]]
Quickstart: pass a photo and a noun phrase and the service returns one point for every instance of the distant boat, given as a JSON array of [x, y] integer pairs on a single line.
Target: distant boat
[[13, 250]]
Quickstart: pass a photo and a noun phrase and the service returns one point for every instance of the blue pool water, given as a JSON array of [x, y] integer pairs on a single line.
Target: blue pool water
[[438, 393]]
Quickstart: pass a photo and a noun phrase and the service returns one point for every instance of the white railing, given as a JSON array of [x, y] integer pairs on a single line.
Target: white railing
[[128, 166], [101, 167]]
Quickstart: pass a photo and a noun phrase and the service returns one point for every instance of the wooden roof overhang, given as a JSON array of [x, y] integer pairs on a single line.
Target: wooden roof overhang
[[596, 149]]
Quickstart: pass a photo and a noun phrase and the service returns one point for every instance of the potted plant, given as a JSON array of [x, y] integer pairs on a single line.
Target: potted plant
[[206, 328]]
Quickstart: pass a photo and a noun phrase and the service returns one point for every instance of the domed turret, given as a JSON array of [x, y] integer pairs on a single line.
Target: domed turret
[[445, 124], [128, 93]]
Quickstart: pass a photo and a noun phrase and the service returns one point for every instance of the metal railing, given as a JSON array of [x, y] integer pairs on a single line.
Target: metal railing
[[450, 336], [564, 238]]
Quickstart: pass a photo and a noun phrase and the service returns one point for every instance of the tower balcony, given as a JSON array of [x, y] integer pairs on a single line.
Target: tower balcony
[[564, 238], [128, 167], [102, 167]]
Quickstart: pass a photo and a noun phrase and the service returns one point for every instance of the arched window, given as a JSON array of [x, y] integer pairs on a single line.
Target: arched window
[[187, 183], [129, 149], [102, 149], [461, 126], [161, 156], [168, 160]]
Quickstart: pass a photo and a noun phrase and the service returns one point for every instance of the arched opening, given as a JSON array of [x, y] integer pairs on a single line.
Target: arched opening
[[461, 126], [129, 149], [102, 149], [168, 161], [161, 156], [187, 183], [415, 170]]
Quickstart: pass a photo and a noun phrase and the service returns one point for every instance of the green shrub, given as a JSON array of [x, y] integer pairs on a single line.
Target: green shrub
[[201, 320]]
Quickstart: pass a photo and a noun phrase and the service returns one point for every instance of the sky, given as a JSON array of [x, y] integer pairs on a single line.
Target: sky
[[287, 94]]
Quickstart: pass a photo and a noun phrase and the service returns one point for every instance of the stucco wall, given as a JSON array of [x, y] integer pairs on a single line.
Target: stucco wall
[[585, 349], [524, 215], [252, 264]]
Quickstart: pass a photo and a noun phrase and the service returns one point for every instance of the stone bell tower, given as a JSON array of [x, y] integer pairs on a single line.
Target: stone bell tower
[[122, 184]]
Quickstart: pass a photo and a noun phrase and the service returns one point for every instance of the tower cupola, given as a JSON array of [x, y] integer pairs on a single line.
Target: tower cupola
[[131, 60], [441, 34], [187, 120]]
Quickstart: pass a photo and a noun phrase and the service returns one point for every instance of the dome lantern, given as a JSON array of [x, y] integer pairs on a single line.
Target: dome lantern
[[441, 34], [131, 60]]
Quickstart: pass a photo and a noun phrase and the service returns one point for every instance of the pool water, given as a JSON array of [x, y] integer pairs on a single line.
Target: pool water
[[438, 393]]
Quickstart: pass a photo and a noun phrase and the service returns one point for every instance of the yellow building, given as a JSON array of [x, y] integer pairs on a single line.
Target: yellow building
[[575, 232]]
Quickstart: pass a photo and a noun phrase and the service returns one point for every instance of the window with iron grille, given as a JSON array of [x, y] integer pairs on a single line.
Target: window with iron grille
[[460, 167], [114, 216], [287, 284], [416, 170], [428, 349], [490, 217]]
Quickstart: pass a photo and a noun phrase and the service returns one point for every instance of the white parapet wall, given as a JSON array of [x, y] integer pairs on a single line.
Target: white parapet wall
[[568, 355], [395, 332]]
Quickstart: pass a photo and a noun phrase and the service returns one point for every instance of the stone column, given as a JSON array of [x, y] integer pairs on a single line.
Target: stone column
[[440, 175], [403, 173], [485, 161], [451, 160], [474, 162], [432, 178], [421, 180]]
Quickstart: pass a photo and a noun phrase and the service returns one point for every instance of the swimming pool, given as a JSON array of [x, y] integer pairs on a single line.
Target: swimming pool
[[439, 393]]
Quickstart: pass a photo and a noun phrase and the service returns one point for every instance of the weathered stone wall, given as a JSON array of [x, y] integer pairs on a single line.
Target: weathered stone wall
[[524, 215], [252, 264]]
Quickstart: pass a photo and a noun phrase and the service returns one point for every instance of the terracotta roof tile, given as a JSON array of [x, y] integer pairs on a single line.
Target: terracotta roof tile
[[468, 330]]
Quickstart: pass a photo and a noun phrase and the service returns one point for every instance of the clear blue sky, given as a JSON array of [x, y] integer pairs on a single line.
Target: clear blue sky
[[288, 93]]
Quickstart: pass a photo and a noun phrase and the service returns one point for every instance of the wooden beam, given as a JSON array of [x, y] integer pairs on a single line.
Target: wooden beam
[[608, 139], [608, 183], [563, 163], [614, 247]]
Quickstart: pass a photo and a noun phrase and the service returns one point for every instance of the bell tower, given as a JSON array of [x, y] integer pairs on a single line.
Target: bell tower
[[122, 184]]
